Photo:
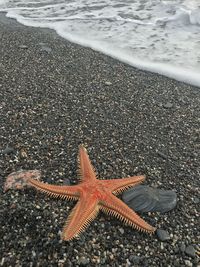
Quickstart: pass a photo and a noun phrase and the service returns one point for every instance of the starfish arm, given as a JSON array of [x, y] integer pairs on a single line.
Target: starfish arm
[[114, 206], [81, 216], [68, 192], [117, 186], [86, 170]]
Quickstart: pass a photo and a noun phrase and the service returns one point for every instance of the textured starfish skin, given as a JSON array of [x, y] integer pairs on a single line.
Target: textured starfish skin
[[94, 195]]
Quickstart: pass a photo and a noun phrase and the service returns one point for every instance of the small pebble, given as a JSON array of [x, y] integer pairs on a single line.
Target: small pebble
[[162, 235], [66, 181], [23, 46], [42, 43], [84, 261], [168, 105], [182, 247], [162, 155], [196, 200], [190, 251], [188, 263], [46, 49], [177, 262], [121, 230], [176, 249], [108, 83], [135, 259]]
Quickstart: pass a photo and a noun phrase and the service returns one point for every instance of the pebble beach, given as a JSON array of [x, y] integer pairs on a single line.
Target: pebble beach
[[56, 95]]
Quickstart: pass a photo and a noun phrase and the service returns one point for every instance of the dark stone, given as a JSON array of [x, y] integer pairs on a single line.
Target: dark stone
[[190, 251], [162, 235], [182, 247], [177, 263], [8, 150], [135, 259], [196, 200], [162, 155], [66, 181], [84, 261], [144, 199], [176, 249]]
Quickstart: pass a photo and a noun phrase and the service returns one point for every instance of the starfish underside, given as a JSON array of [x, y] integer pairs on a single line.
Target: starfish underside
[[94, 195]]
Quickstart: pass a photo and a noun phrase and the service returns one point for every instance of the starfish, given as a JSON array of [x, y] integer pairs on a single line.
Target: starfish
[[93, 195]]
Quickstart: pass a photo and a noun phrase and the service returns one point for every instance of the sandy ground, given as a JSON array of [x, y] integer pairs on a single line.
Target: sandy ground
[[55, 95]]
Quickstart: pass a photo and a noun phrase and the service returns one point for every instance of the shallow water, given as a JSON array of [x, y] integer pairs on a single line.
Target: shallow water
[[157, 35]]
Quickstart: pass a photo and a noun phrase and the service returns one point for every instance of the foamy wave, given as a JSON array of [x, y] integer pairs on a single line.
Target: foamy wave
[[158, 36], [195, 17], [177, 73], [183, 16]]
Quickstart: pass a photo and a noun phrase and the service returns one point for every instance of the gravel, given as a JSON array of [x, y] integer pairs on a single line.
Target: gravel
[[50, 102]]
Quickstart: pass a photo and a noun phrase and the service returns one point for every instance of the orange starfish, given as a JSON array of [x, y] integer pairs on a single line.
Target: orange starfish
[[94, 195]]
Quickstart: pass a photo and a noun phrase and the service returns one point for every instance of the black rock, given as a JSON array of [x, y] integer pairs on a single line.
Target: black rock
[[66, 181], [162, 155], [144, 199], [176, 249], [190, 251], [8, 150], [162, 235], [135, 259]]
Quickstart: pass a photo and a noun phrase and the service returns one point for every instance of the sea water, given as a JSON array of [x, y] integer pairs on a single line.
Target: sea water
[[161, 36]]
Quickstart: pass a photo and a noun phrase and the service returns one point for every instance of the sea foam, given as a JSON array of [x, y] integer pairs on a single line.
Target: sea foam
[[157, 36]]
